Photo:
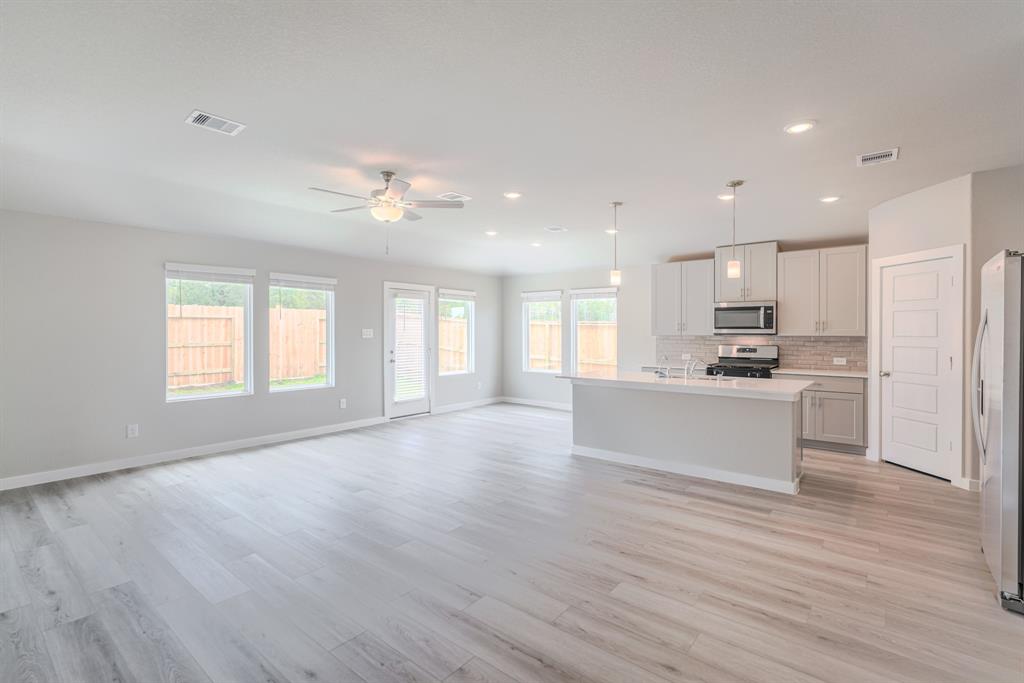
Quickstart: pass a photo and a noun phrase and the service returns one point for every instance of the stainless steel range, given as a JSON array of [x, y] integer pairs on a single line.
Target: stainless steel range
[[745, 361]]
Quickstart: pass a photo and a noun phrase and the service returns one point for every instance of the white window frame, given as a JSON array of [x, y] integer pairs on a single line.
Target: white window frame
[[536, 297], [592, 293], [470, 298], [224, 274], [326, 284]]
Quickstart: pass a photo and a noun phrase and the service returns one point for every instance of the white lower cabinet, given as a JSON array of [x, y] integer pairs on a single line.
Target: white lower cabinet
[[833, 410]]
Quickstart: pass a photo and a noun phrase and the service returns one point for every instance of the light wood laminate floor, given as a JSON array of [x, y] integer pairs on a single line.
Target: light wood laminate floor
[[471, 547]]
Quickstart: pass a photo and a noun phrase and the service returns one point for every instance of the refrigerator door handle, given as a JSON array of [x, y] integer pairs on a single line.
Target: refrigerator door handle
[[977, 386]]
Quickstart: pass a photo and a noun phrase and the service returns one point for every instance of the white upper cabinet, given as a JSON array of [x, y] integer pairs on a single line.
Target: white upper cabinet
[[666, 299], [757, 282], [759, 271], [682, 298], [725, 288], [823, 292], [699, 297], [797, 312], [843, 293]]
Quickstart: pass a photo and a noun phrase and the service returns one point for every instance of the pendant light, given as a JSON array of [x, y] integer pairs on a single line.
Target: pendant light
[[734, 268], [615, 277]]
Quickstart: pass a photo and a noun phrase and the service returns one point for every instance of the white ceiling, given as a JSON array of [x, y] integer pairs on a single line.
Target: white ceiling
[[572, 103]]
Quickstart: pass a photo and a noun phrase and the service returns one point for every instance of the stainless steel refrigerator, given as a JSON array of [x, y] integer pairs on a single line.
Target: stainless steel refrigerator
[[999, 422]]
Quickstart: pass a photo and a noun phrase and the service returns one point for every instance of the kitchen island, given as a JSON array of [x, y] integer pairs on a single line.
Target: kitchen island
[[741, 431]]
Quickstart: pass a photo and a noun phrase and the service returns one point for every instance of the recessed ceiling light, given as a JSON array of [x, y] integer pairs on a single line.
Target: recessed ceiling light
[[612, 231], [800, 127], [725, 197], [491, 233], [556, 228], [513, 195], [534, 244], [829, 200]]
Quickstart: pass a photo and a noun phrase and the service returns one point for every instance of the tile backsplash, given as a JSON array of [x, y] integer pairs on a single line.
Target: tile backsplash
[[814, 353]]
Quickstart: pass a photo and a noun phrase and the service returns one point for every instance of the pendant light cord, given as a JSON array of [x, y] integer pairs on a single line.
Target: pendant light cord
[[734, 222], [615, 237]]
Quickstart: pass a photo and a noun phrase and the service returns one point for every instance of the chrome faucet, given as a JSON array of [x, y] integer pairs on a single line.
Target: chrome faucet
[[691, 366], [662, 371]]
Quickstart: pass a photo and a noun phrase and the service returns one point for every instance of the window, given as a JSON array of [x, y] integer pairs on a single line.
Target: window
[[301, 338], [542, 332], [595, 332], [455, 332], [209, 331]]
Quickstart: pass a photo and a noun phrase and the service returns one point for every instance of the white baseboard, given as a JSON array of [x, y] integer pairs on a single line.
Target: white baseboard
[[966, 484], [465, 405], [180, 454], [537, 404], [777, 485]]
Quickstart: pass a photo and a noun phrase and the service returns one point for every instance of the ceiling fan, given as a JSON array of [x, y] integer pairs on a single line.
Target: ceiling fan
[[389, 204]]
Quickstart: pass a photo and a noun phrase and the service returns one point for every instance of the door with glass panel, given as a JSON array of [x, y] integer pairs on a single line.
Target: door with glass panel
[[407, 352]]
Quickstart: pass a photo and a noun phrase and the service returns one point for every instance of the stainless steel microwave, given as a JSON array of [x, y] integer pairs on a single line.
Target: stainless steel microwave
[[745, 317]]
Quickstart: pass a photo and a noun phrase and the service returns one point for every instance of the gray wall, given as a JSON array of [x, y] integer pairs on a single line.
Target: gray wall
[[82, 342], [983, 211], [636, 345]]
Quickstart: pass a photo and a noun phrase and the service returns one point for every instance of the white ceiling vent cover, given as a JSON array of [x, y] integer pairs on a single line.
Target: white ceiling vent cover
[[883, 157], [454, 197], [216, 123]]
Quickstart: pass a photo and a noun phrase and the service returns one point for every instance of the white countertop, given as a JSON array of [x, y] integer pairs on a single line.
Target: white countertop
[[858, 374], [739, 387]]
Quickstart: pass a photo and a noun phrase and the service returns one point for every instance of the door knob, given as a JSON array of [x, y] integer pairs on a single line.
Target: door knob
[[883, 373]]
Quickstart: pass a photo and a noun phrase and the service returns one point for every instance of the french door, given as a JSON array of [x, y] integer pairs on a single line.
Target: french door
[[407, 352]]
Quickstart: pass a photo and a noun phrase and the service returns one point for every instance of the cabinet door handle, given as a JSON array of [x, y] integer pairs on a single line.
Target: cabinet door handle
[[817, 324], [824, 325]]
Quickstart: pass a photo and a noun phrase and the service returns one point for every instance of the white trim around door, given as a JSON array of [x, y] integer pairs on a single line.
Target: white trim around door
[[953, 365]]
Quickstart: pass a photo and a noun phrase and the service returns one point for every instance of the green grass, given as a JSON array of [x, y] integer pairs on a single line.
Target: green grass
[[314, 381], [206, 389]]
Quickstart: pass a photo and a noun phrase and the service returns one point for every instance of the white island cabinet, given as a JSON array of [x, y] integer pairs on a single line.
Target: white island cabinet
[[741, 431]]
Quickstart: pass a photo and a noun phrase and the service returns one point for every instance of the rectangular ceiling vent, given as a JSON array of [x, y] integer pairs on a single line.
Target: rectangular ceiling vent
[[211, 122], [883, 157], [454, 197]]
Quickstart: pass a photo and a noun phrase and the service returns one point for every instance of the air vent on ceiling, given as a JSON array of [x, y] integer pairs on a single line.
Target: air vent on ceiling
[[216, 123], [454, 197], [883, 157]]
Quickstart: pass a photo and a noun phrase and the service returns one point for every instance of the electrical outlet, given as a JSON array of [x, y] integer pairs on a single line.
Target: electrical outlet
[[686, 356], [367, 333], [838, 361], [479, 386], [131, 431], [343, 403]]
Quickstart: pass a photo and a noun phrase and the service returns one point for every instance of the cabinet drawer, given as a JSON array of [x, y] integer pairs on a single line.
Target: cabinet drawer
[[843, 385]]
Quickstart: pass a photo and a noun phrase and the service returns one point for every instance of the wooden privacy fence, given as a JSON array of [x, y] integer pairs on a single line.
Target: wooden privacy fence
[[206, 345], [596, 346], [451, 345]]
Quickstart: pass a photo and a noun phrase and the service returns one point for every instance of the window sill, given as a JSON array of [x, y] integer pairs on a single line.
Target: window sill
[[204, 397], [288, 390], [542, 372], [456, 374]]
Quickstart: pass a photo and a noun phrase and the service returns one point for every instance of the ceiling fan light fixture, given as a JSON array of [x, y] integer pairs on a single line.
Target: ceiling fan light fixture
[[387, 213]]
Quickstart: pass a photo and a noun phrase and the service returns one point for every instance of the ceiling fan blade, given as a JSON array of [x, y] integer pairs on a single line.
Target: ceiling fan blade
[[411, 215], [397, 189], [351, 208], [433, 204], [343, 194]]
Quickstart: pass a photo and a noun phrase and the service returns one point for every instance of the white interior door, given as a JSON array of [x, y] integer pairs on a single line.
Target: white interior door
[[407, 367], [921, 348]]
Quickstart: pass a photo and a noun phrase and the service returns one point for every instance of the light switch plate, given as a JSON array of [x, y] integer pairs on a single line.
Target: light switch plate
[[131, 431], [343, 403], [838, 361], [367, 333], [686, 356]]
